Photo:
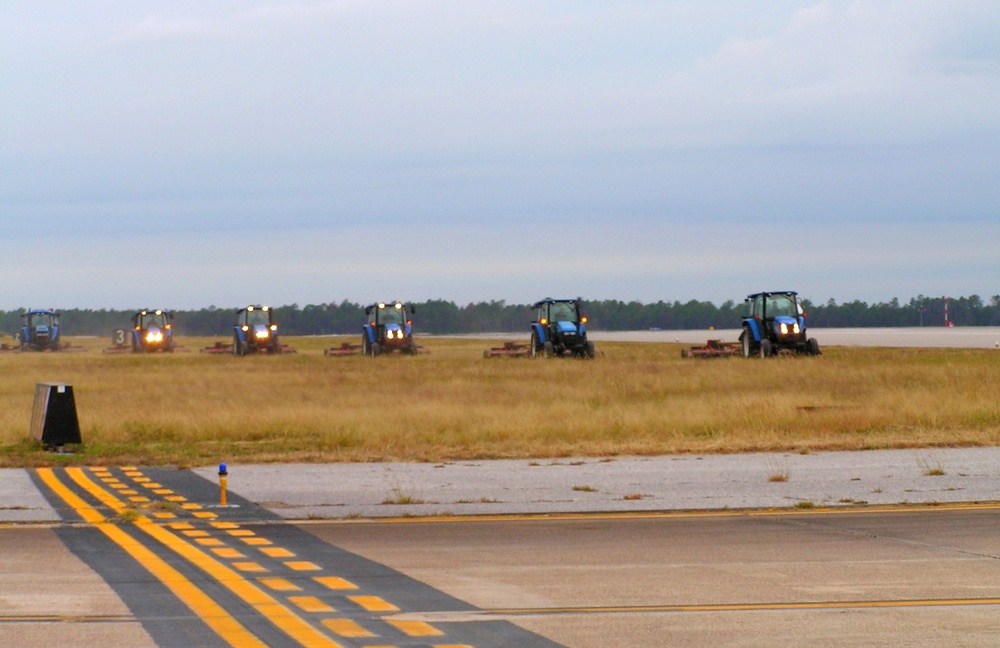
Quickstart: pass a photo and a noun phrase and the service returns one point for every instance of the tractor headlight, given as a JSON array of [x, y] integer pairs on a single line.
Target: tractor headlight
[[795, 328], [154, 336], [262, 334], [784, 328]]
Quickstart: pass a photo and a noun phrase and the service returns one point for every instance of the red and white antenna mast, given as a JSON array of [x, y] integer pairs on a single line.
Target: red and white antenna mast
[[947, 322]]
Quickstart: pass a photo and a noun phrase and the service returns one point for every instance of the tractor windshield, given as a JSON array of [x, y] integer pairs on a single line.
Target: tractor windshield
[[562, 312], [391, 315], [152, 319], [778, 305], [39, 319], [258, 317]]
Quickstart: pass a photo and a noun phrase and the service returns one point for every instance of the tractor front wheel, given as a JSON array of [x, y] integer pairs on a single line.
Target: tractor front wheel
[[766, 348], [376, 349], [549, 349], [813, 346], [589, 350]]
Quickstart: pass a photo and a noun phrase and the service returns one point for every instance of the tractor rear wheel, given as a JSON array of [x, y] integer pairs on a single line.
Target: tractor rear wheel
[[766, 348], [533, 345], [747, 345], [365, 348], [236, 346]]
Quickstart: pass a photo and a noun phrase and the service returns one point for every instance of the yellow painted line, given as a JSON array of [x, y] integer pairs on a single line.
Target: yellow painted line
[[415, 628], [180, 525], [128, 492], [162, 491], [142, 480], [151, 484], [656, 515], [224, 525], [451, 646], [228, 552], [138, 499], [213, 614], [279, 584], [164, 516], [277, 552], [256, 541], [302, 565], [346, 628], [374, 603], [241, 533], [190, 506], [335, 583], [205, 515], [311, 604], [193, 533], [176, 498], [209, 542], [266, 605], [744, 607], [249, 566]]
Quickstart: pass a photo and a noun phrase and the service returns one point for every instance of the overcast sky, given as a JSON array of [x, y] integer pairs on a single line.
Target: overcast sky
[[188, 154]]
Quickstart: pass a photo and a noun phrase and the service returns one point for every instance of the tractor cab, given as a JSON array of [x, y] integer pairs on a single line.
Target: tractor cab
[[152, 331], [40, 330], [775, 322], [255, 331], [388, 327], [559, 328]]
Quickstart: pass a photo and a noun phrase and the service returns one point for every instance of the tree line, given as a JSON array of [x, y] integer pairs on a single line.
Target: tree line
[[445, 317]]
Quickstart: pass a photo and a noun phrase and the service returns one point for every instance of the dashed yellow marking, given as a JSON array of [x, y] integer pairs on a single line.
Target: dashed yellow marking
[[241, 533], [256, 542], [415, 628], [277, 552], [176, 498], [162, 491], [164, 516], [197, 601], [374, 603], [117, 485], [142, 480], [451, 646], [180, 525], [311, 604], [193, 533], [204, 515], [302, 565], [139, 499], [228, 552], [335, 583], [279, 584], [345, 628], [225, 525], [190, 506], [249, 566], [128, 492], [267, 606], [150, 484], [209, 542]]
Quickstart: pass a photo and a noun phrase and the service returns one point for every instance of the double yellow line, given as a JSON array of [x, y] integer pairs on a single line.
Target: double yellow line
[[213, 614]]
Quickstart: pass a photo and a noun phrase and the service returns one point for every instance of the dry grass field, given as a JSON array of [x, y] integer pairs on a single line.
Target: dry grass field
[[190, 408]]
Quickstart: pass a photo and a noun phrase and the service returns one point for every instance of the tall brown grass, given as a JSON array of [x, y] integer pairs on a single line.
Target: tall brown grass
[[638, 399]]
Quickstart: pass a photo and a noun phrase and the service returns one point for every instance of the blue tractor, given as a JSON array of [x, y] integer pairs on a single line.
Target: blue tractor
[[774, 322], [255, 331], [152, 331], [388, 327], [559, 328], [40, 330]]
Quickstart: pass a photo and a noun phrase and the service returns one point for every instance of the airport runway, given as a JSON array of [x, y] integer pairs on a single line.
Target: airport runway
[[146, 557]]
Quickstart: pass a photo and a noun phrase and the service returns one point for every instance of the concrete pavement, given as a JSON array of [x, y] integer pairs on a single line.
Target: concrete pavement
[[667, 483]]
